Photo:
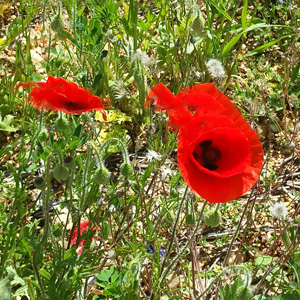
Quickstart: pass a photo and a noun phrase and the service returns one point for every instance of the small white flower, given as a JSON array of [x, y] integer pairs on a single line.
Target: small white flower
[[165, 171], [112, 209], [153, 155], [215, 68], [279, 210]]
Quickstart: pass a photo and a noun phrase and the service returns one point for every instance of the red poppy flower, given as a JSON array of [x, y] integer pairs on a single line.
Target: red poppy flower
[[219, 155], [60, 95], [83, 227]]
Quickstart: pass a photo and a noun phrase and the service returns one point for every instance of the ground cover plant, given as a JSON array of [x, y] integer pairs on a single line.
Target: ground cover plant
[[149, 150]]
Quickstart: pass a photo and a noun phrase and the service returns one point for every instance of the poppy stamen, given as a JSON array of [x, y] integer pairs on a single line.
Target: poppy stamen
[[209, 155]]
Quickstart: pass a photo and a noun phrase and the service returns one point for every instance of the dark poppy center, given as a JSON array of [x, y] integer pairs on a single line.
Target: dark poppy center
[[207, 155], [72, 104]]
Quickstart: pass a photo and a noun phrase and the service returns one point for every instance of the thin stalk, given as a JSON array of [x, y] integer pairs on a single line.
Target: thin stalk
[[174, 228], [46, 196], [164, 274]]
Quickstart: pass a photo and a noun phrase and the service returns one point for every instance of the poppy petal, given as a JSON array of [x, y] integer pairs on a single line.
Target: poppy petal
[[60, 95], [161, 97], [219, 155]]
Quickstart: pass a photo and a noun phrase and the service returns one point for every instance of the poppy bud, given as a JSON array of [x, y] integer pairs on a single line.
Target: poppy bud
[[57, 25], [126, 169], [212, 218], [61, 124], [102, 175], [43, 135], [69, 162], [198, 24], [39, 183], [243, 292], [61, 173]]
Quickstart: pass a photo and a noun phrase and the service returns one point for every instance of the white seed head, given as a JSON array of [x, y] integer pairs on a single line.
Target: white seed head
[[215, 68], [279, 210]]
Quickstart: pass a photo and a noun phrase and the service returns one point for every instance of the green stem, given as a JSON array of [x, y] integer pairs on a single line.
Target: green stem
[[191, 238], [174, 228], [218, 206], [61, 161], [46, 197], [82, 198]]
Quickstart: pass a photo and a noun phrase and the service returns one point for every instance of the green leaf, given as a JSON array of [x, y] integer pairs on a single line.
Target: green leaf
[[72, 145], [114, 276], [286, 297], [78, 131], [7, 148], [149, 224], [296, 269], [231, 44], [261, 297], [146, 175], [104, 276], [5, 124], [45, 274], [31, 290], [84, 139], [263, 261], [244, 16], [257, 26], [105, 230], [261, 48], [220, 10]]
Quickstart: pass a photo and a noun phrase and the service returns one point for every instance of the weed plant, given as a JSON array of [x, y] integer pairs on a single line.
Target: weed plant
[[96, 208]]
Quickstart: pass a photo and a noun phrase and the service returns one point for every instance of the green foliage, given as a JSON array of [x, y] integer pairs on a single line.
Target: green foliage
[[19, 25], [120, 49], [5, 124], [5, 288], [110, 280], [235, 291]]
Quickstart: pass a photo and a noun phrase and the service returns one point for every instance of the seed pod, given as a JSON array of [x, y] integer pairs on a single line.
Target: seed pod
[[126, 169], [39, 183], [69, 162], [212, 218], [57, 25], [102, 176], [43, 135], [198, 24], [61, 173], [61, 124]]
